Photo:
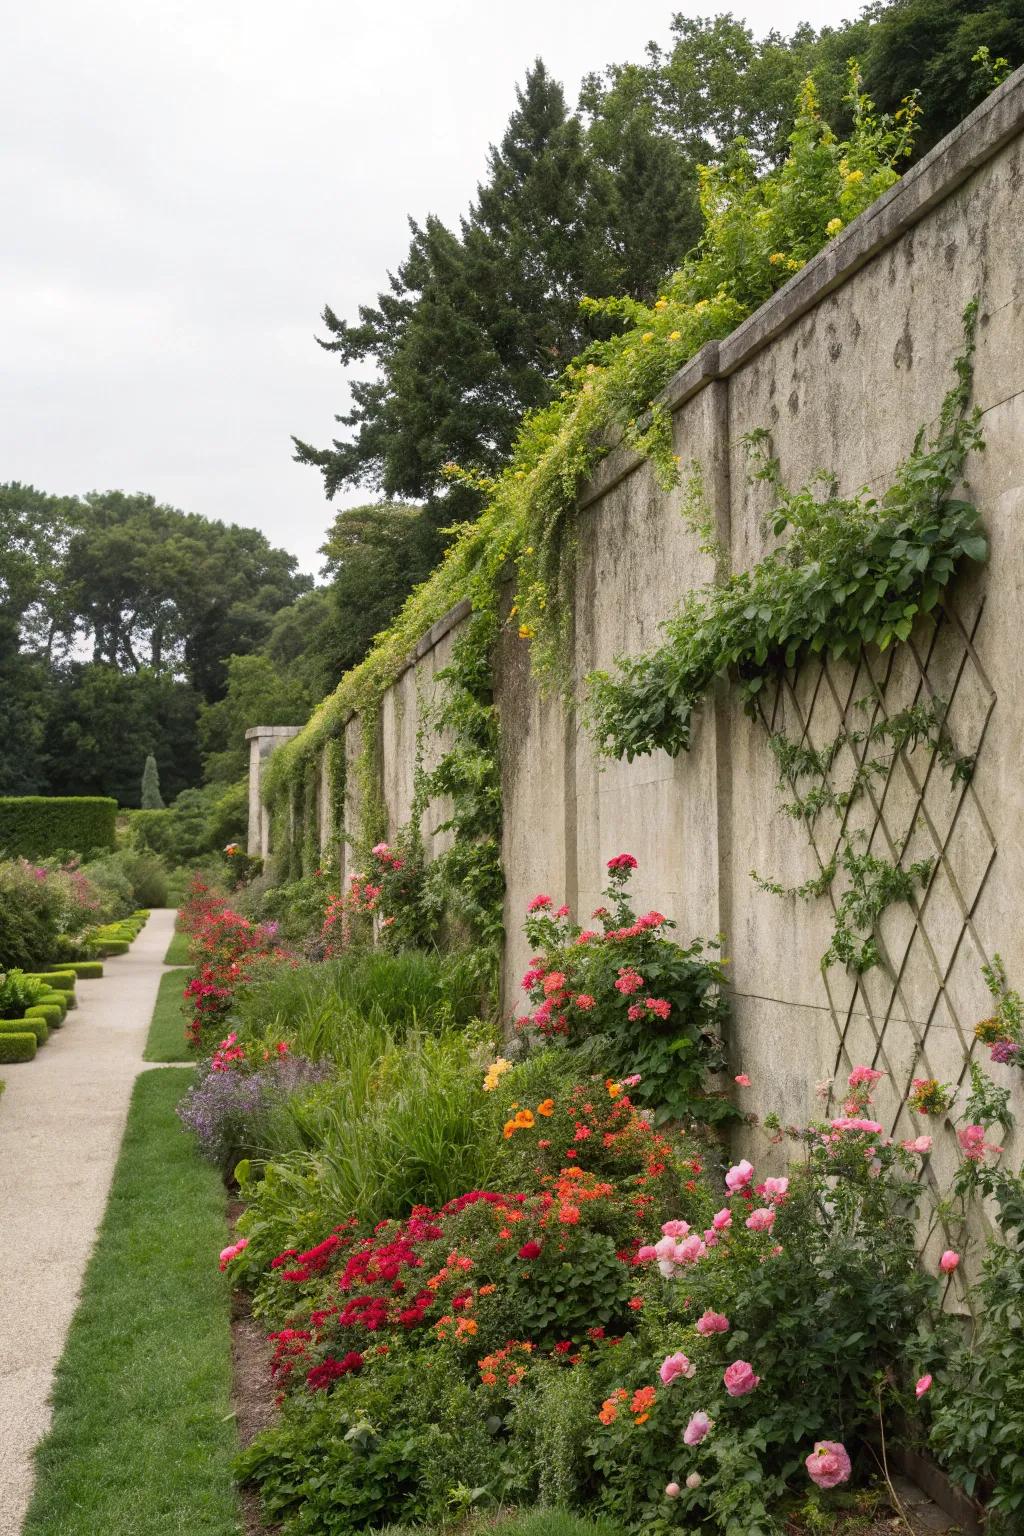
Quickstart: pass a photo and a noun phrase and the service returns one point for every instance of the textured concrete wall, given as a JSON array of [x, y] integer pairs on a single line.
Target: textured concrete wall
[[262, 739], [841, 367]]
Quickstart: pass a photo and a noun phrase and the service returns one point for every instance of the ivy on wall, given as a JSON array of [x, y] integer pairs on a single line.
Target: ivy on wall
[[849, 572], [759, 230]]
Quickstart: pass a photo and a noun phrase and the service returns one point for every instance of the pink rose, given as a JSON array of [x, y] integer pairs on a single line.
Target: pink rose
[[675, 1228], [949, 1261], [645, 1253], [712, 1322], [697, 1428], [232, 1252], [775, 1189], [864, 1076], [761, 1220], [828, 1465], [690, 1250], [722, 1220], [739, 1378], [674, 1366], [672, 1490], [665, 1248], [920, 1145], [739, 1176], [923, 1385], [742, 1079]]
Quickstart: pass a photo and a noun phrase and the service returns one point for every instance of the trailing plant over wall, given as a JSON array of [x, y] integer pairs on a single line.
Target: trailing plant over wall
[[468, 877], [855, 570], [758, 232]]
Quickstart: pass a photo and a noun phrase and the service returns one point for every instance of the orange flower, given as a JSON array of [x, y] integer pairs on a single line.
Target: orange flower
[[488, 1378], [643, 1401], [547, 1108], [465, 1325], [609, 1413], [487, 1290], [614, 1089], [524, 1119], [509, 1129]]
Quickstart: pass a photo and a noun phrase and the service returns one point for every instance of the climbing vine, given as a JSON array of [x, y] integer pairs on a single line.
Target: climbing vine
[[759, 230], [848, 572]]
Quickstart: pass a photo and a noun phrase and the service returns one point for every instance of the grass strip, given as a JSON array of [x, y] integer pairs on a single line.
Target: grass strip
[[177, 949], [166, 1040], [142, 1435]]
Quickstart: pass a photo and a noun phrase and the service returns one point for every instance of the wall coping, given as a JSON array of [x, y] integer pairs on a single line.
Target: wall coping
[[260, 732], [981, 135]]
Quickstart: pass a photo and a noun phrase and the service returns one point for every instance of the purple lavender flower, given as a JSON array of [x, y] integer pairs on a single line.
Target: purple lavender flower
[[222, 1108]]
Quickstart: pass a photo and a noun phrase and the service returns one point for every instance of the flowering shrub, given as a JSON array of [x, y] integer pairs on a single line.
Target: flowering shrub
[[649, 1343], [659, 1006], [392, 893], [225, 952], [1004, 1031]]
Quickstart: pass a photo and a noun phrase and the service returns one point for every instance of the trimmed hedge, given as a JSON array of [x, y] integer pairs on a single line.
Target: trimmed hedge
[[52, 1014], [20, 1047], [33, 1025], [56, 1000], [115, 946], [37, 825], [59, 981], [85, 970]]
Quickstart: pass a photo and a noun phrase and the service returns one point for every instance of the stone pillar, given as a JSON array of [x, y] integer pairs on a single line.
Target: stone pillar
[[262, 739]]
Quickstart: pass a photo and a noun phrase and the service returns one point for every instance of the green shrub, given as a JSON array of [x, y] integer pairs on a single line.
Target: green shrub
[[199, 823], [18, 992], [36, 826], [62, 980], [85, 970], [54, 1000], [17, 1047], [114, 946], [51, 1013], [30, 1024], [28, 931]]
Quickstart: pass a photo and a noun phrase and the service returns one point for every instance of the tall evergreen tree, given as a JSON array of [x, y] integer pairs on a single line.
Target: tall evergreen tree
[[474, 326], [151, 798]]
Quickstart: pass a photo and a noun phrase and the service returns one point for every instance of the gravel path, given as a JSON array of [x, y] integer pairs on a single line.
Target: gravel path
[[61, 1123]]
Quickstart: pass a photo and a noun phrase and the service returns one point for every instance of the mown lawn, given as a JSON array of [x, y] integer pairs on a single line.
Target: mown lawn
[[166, 1040], [143, 1433], [177, 949]]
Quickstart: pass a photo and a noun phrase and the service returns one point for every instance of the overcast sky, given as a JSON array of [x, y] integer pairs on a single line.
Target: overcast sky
[[184, 185]]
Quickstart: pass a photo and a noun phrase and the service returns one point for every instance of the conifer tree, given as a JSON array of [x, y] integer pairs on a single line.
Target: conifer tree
[[151, 799]]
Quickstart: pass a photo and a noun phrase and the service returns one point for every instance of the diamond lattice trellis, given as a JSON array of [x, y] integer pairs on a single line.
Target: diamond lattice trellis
[[905, 1016]]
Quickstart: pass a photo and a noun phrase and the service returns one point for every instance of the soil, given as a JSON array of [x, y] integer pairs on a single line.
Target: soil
[[252, 1392]]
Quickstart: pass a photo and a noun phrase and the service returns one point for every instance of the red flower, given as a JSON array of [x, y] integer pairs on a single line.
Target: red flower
[[530, 1250]]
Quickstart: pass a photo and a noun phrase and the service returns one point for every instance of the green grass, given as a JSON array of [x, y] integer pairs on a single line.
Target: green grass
[[142, 1435], [167, 1030], [177, 949]]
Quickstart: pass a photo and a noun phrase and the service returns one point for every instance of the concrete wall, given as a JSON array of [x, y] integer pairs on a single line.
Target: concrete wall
[[262, 739], [841, 366]]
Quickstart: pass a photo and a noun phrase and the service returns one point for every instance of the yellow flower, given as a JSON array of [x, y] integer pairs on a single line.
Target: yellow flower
[[526, 631], [855, 176], [833, 226], [674, 335], [776, 257], [662, 304], [513, 610], [647, 336], [529, 549]]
